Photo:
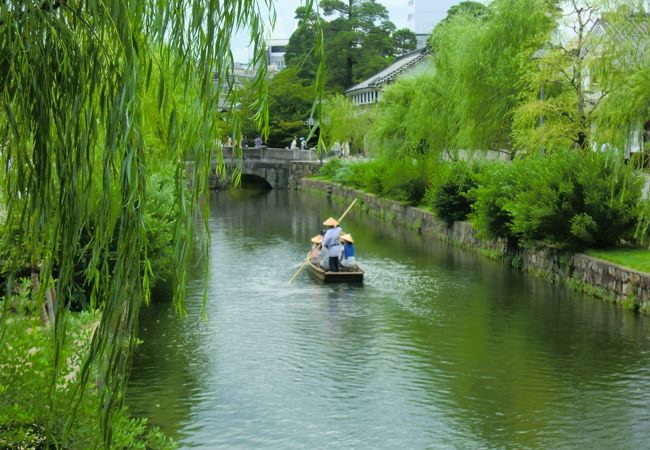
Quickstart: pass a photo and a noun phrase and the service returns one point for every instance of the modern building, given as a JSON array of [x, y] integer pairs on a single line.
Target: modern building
[[238, 77], [421, 40], [423, 15], [410, 64], [275, 50]]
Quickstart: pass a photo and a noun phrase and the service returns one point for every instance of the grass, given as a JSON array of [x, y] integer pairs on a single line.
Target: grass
[[634, 258]]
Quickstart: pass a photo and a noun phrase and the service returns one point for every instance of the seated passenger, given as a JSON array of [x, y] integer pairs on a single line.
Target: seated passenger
[[314, 255], [324, 259], [347, 257]]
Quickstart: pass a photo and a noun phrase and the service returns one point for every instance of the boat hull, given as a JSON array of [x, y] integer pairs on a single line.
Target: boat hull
[[345, 276]]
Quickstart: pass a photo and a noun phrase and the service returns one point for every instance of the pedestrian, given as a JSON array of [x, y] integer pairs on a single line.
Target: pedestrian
[[258, 141], [336, 149], [229, 142], [302, 143], [294, 143], [331, 242]]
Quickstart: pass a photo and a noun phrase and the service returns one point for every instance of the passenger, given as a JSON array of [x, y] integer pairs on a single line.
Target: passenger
[[324, 260], [314, 255], [332, 244], [348, 251]]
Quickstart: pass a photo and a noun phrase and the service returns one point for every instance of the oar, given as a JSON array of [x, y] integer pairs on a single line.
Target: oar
[[307, 260]]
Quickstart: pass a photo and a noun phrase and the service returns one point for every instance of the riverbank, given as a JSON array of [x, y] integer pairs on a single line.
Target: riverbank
[[605, 280]]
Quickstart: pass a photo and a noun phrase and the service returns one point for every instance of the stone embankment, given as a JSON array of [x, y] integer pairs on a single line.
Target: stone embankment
[[578, 271]]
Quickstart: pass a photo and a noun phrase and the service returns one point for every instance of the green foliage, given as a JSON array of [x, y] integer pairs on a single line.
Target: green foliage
[[360, 41], [160, 218], [15, 251], [469, 8], [26, 354], [290, 102], [331, 168], [494, 191], [450, 192], [404, 41], [76, 84], [344, 122], [409, 124], [480, 59], [573, 200], [404, 181], [622, 70]]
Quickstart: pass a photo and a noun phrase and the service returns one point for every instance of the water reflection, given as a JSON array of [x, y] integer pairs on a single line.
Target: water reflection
[[439, 348]]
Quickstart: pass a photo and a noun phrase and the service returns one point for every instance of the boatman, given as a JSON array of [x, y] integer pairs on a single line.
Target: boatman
[[332, 243]]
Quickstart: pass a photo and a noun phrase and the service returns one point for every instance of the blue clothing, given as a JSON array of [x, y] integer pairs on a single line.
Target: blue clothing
[[348, 250]]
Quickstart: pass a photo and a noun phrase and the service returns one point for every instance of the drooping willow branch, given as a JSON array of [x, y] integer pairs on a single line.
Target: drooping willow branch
[[73, 76]]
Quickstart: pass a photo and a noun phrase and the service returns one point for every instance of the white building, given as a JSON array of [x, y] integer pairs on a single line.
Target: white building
[[237, 77], [410, 64], [275, 50], [423, 15]]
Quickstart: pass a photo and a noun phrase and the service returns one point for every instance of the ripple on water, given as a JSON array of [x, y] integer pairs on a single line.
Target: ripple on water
[[437, 350]]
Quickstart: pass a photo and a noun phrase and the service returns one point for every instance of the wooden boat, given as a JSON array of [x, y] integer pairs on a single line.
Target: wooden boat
[[346, 275]]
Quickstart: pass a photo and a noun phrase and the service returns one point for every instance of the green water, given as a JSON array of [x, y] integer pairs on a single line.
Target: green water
[[438, 349]]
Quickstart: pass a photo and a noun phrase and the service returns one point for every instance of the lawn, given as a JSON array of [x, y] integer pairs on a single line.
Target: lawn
[[634, 258]]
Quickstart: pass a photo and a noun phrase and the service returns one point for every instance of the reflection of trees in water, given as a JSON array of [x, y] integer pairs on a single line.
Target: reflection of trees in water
[[492, 356], [257, 216], [512, 356], [167, 366]]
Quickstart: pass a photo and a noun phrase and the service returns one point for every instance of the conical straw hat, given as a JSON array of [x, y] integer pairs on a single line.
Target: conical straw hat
[[317, 239], [331, 222], [347, 237]]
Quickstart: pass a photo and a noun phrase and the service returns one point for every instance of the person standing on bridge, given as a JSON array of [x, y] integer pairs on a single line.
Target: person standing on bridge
[[294, 143], [258, 141]]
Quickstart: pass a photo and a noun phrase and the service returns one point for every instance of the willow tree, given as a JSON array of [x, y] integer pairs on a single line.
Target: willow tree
[[72, 78]]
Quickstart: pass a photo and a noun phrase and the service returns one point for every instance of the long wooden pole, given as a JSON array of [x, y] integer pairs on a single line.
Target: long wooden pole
[[307, 260]]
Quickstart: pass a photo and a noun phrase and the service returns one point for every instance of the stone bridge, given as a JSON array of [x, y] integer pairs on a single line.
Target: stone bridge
[[278, 168]]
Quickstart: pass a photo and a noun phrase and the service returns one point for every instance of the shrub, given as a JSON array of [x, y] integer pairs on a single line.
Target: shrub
[[495, 189], [573, 200], [26, 357], [330, 168], [405, 180], [450, 192], [160, 218]]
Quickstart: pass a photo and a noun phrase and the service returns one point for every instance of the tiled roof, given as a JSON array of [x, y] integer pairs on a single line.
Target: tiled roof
[[389, 74]]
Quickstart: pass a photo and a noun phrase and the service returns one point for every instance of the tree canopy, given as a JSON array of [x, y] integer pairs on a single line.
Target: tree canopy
[[361, 40]]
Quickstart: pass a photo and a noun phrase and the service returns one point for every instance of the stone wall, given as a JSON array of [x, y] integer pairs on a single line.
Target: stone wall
[[300, 170], [592, 275]]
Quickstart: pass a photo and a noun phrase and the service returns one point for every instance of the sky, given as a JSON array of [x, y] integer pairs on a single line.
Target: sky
[[285, 24]]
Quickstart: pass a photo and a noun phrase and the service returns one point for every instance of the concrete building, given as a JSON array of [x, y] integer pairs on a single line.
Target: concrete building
[[239, 76], [275, 50], [410, 64], [423, 15]]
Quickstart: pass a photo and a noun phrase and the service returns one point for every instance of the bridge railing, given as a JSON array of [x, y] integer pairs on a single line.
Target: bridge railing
[[268, 153]]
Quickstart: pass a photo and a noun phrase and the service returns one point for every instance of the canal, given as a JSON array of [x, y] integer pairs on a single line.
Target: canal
[[439, 349]]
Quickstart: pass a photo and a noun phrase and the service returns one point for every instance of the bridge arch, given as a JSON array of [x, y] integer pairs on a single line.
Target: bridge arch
[[253, 180]]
